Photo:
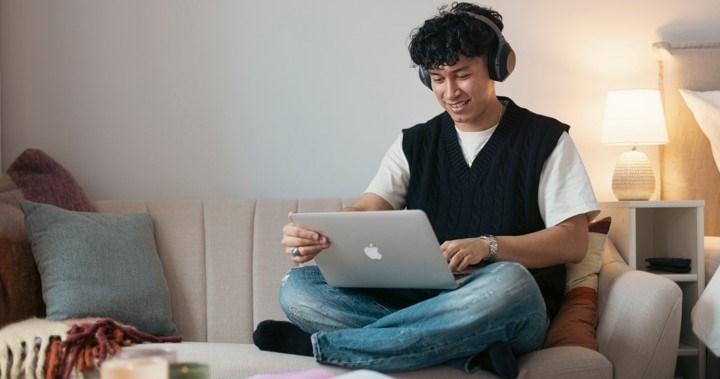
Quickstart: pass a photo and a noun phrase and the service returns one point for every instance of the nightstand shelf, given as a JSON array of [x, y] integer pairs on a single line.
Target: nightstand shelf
[[676, 277], [670, 229]]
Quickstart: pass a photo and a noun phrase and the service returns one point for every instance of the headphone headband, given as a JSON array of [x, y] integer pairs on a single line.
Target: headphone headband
[[500, 60], [485, 21]]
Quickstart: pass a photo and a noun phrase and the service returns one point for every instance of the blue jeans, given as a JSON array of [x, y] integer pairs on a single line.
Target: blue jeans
[[400, 330]]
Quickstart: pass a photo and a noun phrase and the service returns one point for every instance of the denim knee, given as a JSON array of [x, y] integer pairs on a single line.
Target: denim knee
[[296, 287], [529, 285], [501, 288], [520, 283], [512, 272]]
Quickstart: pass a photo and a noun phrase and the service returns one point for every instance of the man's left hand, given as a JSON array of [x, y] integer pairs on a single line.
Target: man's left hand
[[464, 252]]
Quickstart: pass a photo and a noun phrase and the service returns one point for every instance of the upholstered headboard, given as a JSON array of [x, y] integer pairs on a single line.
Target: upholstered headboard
[[688, 170]]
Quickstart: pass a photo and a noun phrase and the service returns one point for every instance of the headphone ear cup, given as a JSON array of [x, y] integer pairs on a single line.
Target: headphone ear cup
[[425, 77], [505, 62]]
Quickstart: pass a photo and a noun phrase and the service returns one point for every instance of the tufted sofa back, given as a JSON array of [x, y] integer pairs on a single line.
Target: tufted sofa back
[[222, 259]]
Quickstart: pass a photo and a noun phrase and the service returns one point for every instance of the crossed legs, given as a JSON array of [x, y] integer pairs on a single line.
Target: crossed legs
[[399, 330]]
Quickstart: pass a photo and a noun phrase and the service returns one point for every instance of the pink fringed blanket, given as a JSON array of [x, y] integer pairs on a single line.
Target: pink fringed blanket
[[54, 349]]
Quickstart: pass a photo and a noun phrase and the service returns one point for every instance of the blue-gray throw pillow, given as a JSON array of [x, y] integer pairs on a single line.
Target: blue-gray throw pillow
[[99, 265]]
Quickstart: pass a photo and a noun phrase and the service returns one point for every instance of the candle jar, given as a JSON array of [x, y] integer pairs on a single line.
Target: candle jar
[[189, 370], [143, 352], [134, 368]]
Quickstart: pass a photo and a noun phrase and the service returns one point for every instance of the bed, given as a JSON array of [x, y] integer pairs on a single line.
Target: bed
[[689, 83]]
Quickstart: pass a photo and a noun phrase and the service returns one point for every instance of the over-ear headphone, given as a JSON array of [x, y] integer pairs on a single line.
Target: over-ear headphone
[[500, 60]]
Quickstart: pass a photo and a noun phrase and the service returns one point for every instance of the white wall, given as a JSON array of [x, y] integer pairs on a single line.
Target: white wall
[[188, 99]]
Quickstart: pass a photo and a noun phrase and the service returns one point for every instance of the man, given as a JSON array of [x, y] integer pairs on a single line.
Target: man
[[504, 189]]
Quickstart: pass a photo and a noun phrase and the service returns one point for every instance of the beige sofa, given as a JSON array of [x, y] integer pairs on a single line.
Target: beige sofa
[[223, 262]]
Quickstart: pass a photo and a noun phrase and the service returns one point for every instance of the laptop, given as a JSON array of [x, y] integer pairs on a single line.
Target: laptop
[[380, 249]]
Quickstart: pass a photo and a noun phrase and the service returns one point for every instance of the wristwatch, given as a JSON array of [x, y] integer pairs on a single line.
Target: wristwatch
[[492, 247]]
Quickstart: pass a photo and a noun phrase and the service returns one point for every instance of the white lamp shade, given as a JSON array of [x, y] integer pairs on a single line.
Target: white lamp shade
[[634, 117]]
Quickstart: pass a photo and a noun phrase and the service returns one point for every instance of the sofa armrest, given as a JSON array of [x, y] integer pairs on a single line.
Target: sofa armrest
[[639, 318]]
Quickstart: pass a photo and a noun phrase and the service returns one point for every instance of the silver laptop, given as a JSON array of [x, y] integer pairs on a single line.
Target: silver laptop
[[380, 249]]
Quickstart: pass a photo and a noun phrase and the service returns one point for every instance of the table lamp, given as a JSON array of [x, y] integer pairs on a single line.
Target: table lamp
[[634, 117]]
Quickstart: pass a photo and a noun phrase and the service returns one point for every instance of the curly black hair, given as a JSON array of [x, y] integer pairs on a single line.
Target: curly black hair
[[441, 40]]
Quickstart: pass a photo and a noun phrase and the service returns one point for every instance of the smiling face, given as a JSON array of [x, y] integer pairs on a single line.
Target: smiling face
[[467, 93]]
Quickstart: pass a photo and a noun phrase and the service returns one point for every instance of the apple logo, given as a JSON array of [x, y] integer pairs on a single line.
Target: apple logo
[[372, 252]]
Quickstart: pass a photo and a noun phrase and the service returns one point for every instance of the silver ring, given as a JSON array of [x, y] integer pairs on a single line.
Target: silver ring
[[295, 252]]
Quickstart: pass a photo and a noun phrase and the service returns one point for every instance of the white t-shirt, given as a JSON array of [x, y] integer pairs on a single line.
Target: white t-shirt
[[564, 189]]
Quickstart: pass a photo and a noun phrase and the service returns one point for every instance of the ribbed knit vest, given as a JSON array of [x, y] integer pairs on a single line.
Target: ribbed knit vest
[[498, 194]]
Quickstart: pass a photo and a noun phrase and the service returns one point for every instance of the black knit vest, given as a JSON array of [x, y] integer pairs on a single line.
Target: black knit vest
[[497, 195]]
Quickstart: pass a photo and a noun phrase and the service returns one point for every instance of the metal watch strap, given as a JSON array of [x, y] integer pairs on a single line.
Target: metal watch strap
[[492, 247]]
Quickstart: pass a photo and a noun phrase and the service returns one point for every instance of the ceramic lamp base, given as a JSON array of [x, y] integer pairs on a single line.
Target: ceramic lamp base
[[633, 178]]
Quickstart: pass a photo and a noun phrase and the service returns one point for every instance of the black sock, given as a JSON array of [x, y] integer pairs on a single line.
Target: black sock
[[282, 337], [498, 358]]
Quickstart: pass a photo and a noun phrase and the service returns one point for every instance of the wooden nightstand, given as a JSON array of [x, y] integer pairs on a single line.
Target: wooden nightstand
[[646, 229]]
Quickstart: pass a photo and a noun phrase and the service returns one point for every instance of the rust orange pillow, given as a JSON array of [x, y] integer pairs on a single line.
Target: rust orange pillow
[[574, 324], [34, 176]]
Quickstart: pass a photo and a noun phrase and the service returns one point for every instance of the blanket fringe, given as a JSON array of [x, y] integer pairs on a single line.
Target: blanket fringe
[[46, 349]]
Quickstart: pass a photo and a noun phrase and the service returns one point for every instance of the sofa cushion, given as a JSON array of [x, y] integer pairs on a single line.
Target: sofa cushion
[[574, 324], [585, 273], [560, 362], [35, 176], [99, 265]]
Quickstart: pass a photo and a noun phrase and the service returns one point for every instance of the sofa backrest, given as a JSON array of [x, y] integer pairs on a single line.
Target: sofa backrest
[[222, 259]]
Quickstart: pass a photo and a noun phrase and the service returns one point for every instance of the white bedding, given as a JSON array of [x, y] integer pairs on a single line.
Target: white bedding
[[705, 106], [706, 312], [712, 257]]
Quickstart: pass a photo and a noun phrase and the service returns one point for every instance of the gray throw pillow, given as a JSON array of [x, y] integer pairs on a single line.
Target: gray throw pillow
[[99, 265]]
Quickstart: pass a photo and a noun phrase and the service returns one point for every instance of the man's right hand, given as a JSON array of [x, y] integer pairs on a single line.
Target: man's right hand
[[309, 243], [302, 245]]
